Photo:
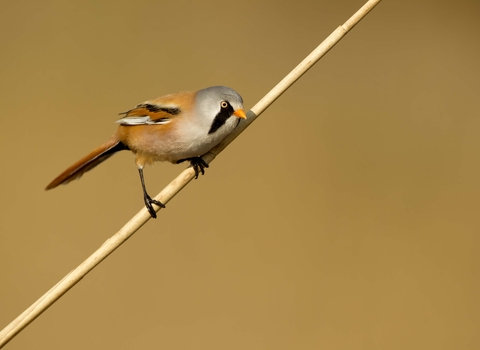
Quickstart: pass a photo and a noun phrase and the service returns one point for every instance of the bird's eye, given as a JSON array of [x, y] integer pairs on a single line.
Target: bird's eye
[[224, 104]]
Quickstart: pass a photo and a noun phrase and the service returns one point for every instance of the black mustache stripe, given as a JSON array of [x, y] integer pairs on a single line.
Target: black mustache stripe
[[221, 118]]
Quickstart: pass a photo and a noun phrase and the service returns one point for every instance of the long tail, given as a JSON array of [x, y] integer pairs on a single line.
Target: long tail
[[88, 162]]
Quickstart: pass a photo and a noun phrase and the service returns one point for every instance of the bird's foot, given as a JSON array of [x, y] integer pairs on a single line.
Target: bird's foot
[[148, 203], [198, 165]]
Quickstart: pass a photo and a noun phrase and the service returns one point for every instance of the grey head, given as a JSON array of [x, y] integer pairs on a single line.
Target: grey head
[[216, 94], [220, 105]]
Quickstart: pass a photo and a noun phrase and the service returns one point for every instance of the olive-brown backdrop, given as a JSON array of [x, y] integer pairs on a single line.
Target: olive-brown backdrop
[[346, 217]]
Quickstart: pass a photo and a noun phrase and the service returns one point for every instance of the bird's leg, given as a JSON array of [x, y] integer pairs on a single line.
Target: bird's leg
[[148, 200], [197, 163]]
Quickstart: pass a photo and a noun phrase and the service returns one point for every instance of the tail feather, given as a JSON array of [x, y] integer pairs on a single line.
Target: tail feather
[[88, 162]]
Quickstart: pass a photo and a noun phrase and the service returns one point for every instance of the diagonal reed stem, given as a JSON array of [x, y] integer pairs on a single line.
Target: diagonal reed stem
[[72, 278]]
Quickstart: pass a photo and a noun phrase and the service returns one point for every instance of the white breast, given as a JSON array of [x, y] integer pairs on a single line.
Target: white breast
[[194, 139]]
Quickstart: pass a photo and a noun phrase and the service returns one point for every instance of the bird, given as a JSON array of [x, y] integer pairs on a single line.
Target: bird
[[175, 128]]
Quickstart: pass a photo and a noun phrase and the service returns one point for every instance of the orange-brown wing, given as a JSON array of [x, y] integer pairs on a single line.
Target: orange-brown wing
[[148, 113], [160, 110]]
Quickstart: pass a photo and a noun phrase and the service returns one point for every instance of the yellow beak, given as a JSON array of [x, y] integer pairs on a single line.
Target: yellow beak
[[240, 113]]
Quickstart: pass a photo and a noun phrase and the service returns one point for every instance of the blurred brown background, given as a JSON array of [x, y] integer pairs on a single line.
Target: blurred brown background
[[346, 217]]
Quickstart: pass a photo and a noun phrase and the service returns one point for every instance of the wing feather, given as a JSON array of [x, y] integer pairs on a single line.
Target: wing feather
[[149, 114]]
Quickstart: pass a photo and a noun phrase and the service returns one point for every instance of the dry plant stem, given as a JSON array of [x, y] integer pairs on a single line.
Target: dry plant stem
[[176, 185]]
